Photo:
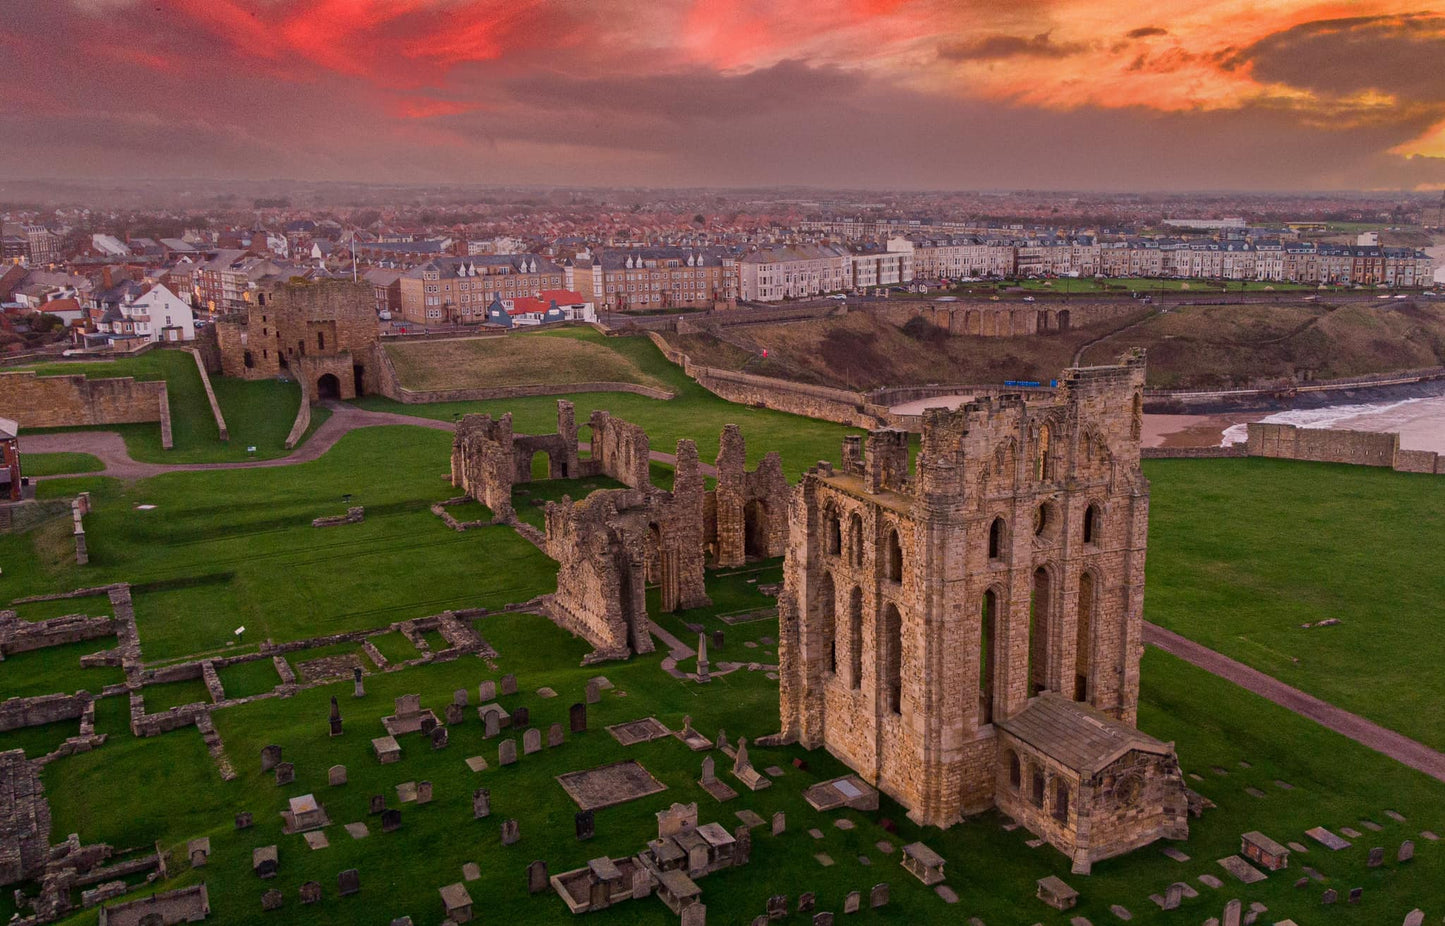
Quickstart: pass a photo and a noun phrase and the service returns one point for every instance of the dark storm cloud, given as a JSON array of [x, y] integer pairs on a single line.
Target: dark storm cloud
[[1145, 31], [999, 47]]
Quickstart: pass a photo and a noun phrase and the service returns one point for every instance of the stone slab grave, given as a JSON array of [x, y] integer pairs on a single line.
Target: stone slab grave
[[824, 859], [357, 830], [750, 818], [387, 750], [477, 764], [1211, 881], [1350, 832], [1174, 854], [471, 871], [317, 839], [409, 716], [406, 792], [1327, 839], [638, 731], [609, 785], [546, 693], [691, 738], [710, 783], [1395, 815], [1241, 869], [846, 791]]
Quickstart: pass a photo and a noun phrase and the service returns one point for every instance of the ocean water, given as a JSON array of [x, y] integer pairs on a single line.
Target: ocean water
[[1420, 420]]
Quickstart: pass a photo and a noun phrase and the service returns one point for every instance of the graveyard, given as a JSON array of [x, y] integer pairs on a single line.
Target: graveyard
[[469, 741]]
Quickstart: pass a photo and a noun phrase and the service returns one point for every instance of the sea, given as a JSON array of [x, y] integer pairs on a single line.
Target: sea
[[1419, 419]]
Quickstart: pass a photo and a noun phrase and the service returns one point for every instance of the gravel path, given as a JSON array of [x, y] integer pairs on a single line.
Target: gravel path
[[1367, 733]]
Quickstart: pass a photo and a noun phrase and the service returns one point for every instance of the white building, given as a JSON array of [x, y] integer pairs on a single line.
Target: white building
[[774, 274], [156, 315]]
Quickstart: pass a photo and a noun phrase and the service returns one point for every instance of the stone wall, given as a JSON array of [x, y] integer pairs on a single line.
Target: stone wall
[[16, 713], [24, 819], [22, 636], [821, 402], [749, 510], [1337, 445], [73, 400], [1007, 319]]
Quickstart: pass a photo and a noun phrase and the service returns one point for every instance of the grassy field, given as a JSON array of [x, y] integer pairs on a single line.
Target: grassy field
[[53, 464], [695, 413], [1244, 552], [547, 357], [258, 413]]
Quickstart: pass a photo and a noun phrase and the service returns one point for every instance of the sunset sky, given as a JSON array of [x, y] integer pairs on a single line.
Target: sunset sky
[[1059, 94]]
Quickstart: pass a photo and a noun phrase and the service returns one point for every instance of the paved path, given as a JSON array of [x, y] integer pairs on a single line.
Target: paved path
[[1367, 733], [110, 447]]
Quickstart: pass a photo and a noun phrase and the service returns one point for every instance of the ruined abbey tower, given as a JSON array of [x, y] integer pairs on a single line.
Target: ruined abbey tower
[[967, 633]]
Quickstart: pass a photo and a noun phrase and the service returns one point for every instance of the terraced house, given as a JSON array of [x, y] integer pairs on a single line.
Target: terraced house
[[655, 278], [457, 290]]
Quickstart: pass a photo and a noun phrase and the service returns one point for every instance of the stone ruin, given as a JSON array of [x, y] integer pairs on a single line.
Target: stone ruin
[[614, 542]]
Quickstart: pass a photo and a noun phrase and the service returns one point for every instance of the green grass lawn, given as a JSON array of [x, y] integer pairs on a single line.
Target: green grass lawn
[[529, 499], [54, 464], [247, 679], [695, 414], [1243, 552], [534, 357], [258, 413], [395, 647]]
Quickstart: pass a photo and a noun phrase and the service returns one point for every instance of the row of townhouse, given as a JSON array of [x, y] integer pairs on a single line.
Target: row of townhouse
[[655, 278], [803, 271], [458, 290]]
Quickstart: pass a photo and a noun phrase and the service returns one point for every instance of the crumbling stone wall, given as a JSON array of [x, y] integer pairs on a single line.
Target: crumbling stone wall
[[918, 608], [1338, 445], [24, 819], [21, 636], [72, 400], [1006, 320], [16, 713], [310, 330], [748, 510]]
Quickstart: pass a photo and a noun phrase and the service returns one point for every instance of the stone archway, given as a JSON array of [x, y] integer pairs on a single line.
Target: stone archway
[[328, 386]]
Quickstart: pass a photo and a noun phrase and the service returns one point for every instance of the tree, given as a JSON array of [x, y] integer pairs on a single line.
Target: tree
[[699, 220]]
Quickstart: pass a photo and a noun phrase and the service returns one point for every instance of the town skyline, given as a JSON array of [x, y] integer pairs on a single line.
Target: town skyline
[[880, 94]]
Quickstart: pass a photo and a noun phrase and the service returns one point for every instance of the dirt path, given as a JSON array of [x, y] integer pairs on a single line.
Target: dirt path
[[109, 447], [1367, 733]]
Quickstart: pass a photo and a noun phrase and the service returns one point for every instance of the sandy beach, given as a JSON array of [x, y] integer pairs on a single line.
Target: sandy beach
[[1193, 430]]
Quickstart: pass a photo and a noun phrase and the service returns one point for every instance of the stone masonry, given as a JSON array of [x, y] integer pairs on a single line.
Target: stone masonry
[[748, 512], [923, 612]]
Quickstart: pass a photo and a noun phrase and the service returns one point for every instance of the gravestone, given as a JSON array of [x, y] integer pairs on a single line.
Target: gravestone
[[511, 832], [742, 844], [423, 792], [577, 717], [335, 718], [823, 919], [717, 639], [537, 877], [271, 900], [641, 883], [778, 907], [270, 757], [806, 901], [311, 892], [455, 713], [336, 775], [507, 752], [1233, 912], [852, 902], [481, 803], [509, 684], [694, 914], [1356, 893], [703, 676], [428, 724], [1329, 897], [486, 692], [531, 741], [243, 820], [348, 882], [493, 724], [554, 735], [879, 895], [1407, 851], [459, 697], [1377, 857], [390, 820], [1173, 896], [521, 717], [780, 823], [285, 773], [358, 690], [594, 693], [722, 740], [1415, 917], [585, 823], [439, 738], [709, 770]]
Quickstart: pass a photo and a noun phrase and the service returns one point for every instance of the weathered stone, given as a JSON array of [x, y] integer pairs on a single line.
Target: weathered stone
[[311, 892], [423, 792], [852, 902], [440, 738], [285, 773], [879, 895], [531, 741], [455, 714], [1406, 851], [270, 757], [806, 902], [780, 823], [481, 803], [511, 832], [487, 692], [336, 775], [272, 900], [577, 717], [244, 820], [584, 824], [521, 716], [378, 803], [507, 752], [537, 877], [594, 694], [509, 684], [390, 820], [1377, 857], [555, 736]]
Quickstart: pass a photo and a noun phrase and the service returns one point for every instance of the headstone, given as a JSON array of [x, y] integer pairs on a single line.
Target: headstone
[[823, 919], [778, 906], [506, 752], [336, 775], [378, 804], [440, 737], [641, 883], [358, 689], [1377, 857], [335, 718], [1356, 893], [722, 740], [806, 901], [585, 823], [702, 667], [554, 735], [285, 773], [511, 832], [311, 892], [348, 882], [694, 914], [428, 724], [594, 693], [423, 792], [1407, 851], [272, 900], [531, 741], [577, 717], [1233, 913], [1415, 917], [521, 717], [537, 877], [493, 722], [509, 684], [780, 823], [270, 757], [709, 770], [1329, 897], [481, 803], [455, 714], [879, 896], [1173, 896], [459, 697], [243, 820], [390, 820], [486, 692], [852, 902], [742, 844]]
